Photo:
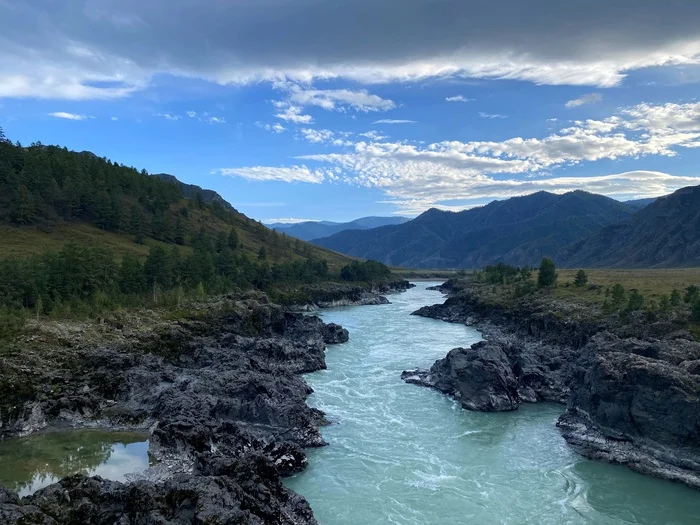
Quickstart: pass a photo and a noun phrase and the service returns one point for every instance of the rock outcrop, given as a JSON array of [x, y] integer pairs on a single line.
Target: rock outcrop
[[632, 390], [219, 392]]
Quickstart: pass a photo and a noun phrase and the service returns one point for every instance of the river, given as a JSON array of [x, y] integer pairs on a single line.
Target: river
[[403, 454]]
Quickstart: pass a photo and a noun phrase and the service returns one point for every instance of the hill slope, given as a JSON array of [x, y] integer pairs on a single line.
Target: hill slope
[[517, 231], [50, 196], [664, 234], [314, 230]]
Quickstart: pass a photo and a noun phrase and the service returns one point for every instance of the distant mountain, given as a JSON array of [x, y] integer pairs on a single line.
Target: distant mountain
[[314, 230], [664, 234], [641, 203], [517, 231], [190, 191]]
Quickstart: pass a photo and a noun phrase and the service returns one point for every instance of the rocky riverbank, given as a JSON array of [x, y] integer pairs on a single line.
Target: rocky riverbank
[[632, 389], [218, 390], [329, 295]]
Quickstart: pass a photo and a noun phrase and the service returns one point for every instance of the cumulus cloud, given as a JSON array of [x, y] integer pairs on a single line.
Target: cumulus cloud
[[373, 135], [69, 116], [111, 48], [416, 176], [294, 114], [340, 99], [459, 98], [283, 174], [394, 121], [590, 98], [317, 136], [275, 128]]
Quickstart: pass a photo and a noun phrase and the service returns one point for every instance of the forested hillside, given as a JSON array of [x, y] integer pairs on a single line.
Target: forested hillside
[[665, 234], [80, 232]]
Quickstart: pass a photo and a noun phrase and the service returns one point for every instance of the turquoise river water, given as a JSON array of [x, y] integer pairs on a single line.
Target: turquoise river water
[[403, 454]]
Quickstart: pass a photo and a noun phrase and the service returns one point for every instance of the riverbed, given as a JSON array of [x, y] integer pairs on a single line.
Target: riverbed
[[403, 454]]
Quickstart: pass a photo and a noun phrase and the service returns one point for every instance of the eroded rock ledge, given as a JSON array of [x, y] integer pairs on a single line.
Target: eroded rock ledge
[[632, 391], [219, 392]]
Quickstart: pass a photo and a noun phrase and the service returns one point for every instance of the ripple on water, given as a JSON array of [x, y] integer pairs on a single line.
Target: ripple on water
[[408, 455]]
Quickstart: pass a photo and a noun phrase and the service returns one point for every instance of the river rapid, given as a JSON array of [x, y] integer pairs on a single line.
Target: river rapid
[[403, 454]]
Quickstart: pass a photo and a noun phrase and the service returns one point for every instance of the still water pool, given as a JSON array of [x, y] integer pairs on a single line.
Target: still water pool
[[403, 454], [31, 463]]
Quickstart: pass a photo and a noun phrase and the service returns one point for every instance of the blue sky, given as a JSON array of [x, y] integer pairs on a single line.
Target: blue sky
[[336, 110]]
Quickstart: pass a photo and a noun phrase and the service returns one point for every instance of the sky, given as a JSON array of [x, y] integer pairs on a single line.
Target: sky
[[337, 109]]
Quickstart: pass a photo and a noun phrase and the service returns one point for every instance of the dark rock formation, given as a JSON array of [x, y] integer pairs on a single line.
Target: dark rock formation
[[221, 395], [632, 391], [638, 404], [330, 295], [480, 377]]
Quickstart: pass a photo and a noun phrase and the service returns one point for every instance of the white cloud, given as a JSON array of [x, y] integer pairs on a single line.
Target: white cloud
[[114, 118], [294, 114], [394, 121], [317, 136], [590, 98], [339, 99], [275, 128], [373, 135], [459, 98], [167, 116], [288, 220], [491, 115], [284, 174], [191, 114], [69, 116], [215, 120], [415, 177]]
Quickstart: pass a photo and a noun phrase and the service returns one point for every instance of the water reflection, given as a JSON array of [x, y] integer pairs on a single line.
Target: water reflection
[[31, 463]]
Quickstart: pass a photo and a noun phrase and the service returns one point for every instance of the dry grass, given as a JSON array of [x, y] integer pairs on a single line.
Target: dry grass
[[652, 284]]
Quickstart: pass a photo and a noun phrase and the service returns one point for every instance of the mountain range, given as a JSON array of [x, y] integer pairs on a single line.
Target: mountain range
[[664, 234], [518, 231], [313, 230]]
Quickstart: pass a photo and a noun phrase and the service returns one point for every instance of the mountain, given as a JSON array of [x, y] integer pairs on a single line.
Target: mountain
[[640, 203], [314, 230], [518, 231], [190, 191], [664, 234], [50, 197]]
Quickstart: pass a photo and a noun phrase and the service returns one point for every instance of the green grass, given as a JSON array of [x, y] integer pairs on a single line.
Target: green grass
[[31, 240]]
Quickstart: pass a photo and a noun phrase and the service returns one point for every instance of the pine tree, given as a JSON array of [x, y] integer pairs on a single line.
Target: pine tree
[[547, 276], [179, 232], [233, 239], [695, 313], [635, 302], [131, 278], [262, 254], [581, 279], [23, 209], [618, 295], [675, 298]]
